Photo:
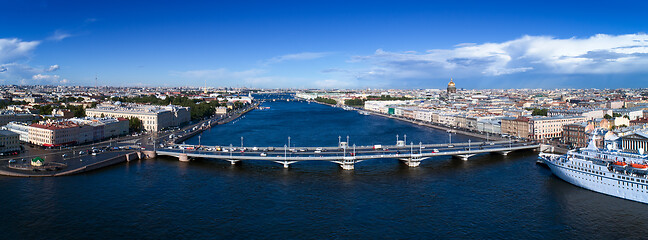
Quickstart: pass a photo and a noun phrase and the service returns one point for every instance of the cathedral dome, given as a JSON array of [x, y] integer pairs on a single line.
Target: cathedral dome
[[451, 87]]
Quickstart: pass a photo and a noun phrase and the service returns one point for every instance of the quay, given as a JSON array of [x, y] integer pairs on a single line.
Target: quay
[[129, 149]]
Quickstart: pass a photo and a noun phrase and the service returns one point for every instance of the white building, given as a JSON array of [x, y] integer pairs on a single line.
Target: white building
[[22, 129], [383, 106], [153, 117]]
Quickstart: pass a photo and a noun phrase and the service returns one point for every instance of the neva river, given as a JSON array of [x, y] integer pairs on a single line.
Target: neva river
[[488, 196]]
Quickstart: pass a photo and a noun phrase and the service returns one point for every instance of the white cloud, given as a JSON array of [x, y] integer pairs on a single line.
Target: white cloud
[[598, 54], [13, 49], [298, 57], [39, 77], [59, 35], [48, 79], [14, 64], [53, 68]]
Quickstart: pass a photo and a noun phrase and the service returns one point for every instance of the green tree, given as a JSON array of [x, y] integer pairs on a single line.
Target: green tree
[[538, 111], [354, 102], [134, 124], [607, 116], [325, 100]]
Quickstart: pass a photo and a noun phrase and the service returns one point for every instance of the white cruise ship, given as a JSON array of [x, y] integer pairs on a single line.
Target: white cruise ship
[[607, 171]]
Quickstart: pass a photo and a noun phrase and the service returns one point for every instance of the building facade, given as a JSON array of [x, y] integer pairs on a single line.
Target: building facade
[[577, 134], [9, 141], [550, 127], [22, 129], [518, 127], [636, 142], [154, 118], [53, 134]]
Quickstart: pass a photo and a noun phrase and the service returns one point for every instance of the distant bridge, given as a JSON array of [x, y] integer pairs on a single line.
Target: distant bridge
[[344, 155]]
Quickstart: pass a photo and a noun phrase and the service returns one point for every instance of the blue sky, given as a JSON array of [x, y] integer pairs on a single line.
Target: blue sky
[[325, 44]]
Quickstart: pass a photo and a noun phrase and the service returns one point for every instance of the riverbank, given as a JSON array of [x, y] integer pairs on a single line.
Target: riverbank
[[75, 165], [431, 125], [87, 162], [212, 122]]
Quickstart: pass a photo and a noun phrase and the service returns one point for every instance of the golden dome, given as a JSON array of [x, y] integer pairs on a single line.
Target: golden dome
[[451, 83]]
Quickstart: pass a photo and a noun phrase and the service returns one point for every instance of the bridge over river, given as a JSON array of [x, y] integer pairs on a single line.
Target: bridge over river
[[344, 155]]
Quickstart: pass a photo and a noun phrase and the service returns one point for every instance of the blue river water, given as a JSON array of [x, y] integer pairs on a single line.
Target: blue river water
[[488, 196]]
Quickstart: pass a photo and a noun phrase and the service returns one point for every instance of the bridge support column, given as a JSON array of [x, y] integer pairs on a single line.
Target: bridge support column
[[233, 162], [347, 166], [412, 161], [150, 154], [464, 156], [286, 164], [183, 157], [347, 163], [504, 153]]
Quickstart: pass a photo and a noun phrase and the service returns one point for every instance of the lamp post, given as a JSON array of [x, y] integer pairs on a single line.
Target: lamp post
[[420, 147], [411, 148], [288, 141], [339, 140], [354, 153], [450, 138], [468, 144], [285, 152], [405, 138], [199, 139], [241, 141], [396, 139]]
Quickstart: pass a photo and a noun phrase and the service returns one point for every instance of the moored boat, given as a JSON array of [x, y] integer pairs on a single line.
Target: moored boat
[[608, 171]]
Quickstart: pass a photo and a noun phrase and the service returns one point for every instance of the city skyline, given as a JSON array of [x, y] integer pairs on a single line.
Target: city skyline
[[324, 44]]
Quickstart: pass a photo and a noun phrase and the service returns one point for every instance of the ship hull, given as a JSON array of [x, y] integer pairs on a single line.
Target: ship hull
[[609, 183]]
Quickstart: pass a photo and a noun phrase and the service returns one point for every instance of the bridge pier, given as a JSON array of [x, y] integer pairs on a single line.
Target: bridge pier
[[286, 164], [347, 163], [504, 153], [464, 156], [183, 157], [150, 154], [233, 162], [347, 166], [413, 161]]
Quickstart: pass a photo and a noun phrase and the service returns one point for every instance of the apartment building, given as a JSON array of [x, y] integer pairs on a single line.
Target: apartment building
[[53, 134], [153, 117], [9, 141], [551, 127]]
